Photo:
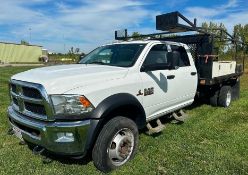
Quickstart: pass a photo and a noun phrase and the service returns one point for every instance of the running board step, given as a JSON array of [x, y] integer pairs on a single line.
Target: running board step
[[180, 116], [157, 129]]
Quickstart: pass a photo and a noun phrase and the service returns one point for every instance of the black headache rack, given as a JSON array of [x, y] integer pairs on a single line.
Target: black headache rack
[[176, 28]]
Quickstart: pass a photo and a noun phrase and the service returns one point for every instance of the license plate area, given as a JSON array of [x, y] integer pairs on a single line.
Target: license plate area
[[17, 132]]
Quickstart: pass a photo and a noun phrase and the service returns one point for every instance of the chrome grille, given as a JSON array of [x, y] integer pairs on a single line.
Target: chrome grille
[[30, 99], [13, 88], [31, 92], [35, 108], [15, 101]]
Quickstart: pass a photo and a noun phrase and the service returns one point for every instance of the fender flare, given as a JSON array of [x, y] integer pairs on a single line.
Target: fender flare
[[113, 102]]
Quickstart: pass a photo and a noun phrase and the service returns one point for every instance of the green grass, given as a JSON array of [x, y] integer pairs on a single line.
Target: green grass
[[212, 141]]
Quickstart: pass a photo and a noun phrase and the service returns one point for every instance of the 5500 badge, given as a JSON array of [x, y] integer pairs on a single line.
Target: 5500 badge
[[147, 91]]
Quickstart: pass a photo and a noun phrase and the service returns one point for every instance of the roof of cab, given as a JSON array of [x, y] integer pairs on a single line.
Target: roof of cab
[[145, 42]]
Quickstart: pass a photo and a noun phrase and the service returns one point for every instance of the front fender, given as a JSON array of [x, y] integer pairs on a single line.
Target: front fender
[[115, 101]]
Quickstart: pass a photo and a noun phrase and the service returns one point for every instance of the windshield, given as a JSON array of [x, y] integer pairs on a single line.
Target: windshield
[[122, 55]]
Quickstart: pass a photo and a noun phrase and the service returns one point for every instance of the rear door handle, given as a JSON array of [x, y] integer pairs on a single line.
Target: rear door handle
[[193, 73], [170, 76]]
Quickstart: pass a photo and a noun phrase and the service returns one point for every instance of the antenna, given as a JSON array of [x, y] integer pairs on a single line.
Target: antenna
[[30, 35]]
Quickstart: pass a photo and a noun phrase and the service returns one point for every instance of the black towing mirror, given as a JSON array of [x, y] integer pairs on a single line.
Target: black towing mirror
[[153, 67]]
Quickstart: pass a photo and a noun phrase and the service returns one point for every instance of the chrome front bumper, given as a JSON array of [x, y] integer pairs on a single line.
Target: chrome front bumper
[[52, 135]]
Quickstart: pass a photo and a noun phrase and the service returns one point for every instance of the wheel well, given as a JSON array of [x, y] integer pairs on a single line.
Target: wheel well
[[130, 111]]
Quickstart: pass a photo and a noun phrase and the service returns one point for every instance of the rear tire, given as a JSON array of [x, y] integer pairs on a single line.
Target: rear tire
[[236, 90], [225, 96], [116, 144]]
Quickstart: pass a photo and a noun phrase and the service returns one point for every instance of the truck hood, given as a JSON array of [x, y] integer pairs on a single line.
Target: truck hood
[[62, 78]]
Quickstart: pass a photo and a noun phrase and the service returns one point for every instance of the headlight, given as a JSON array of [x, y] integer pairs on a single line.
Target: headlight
[[71, 104]]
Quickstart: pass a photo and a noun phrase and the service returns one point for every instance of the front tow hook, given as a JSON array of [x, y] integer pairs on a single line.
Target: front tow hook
[[10, 131], [38, 150]]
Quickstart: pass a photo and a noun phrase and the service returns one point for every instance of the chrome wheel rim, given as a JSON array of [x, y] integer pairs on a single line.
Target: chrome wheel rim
[[228, 98], [121, 147]]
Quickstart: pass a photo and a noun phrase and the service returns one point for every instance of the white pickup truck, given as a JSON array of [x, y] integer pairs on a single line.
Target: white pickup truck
[[98, 105]]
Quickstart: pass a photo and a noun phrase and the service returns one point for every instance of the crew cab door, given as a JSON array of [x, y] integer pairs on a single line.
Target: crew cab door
[[166, 88]]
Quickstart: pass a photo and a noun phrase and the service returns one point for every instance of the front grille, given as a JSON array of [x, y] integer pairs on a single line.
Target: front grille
[[29, 99], [32, 131], [31, 92], [13, 88], [15, 101], [35, 108]]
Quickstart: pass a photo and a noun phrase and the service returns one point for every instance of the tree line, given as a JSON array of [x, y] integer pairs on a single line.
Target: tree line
[[240, 34]]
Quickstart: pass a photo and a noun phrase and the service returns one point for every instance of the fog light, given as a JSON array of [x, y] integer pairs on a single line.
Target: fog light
[[65, 137]]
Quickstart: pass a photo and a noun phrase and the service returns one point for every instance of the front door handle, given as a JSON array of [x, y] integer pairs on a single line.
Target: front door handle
[[170, 76], [193, 73]]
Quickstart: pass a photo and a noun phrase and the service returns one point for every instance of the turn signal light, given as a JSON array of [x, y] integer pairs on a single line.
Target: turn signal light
[[84, 101]]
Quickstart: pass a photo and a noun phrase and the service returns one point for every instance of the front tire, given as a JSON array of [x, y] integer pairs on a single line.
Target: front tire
[[116, 144], [225, 96], [213, 100]]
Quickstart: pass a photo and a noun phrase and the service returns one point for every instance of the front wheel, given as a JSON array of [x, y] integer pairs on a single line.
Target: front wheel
[[213, 100], [116, 144]]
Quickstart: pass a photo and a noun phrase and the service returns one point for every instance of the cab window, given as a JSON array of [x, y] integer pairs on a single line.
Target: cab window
[[156, 55], [183, 59]]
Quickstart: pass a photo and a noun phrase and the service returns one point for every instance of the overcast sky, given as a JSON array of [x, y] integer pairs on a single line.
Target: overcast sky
[[58, 25]]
